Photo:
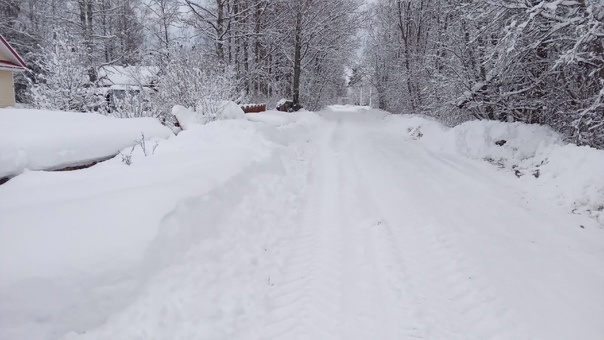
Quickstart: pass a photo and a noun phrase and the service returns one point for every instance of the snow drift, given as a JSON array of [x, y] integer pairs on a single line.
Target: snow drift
[[571, 175], [207, 112], [47, 140], [92, 228]]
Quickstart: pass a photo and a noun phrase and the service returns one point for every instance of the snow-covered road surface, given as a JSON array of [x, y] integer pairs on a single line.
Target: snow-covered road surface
[[351, 229]]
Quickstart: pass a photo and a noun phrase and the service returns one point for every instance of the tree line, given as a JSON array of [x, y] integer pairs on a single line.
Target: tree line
[[245, 50], [533, 61]]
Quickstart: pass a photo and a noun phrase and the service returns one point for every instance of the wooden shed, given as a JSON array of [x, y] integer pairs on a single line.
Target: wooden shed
[[10, 62]]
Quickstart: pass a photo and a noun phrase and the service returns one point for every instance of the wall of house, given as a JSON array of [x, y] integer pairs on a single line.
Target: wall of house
[[2, 56], [7, 89]]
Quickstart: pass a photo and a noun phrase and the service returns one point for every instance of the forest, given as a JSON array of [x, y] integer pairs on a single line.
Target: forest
[[531, 61]]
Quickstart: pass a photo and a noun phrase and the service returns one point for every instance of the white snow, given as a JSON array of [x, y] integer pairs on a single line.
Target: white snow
[[346, 224], [281, 102], [46, 140], [127, 75], [570, 175], [186, 116], [66, 266], [206, 112]]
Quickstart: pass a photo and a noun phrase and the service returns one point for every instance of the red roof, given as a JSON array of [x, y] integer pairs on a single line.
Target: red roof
[[15, 62]]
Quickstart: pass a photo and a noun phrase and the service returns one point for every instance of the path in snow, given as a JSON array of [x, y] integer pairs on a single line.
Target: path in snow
[[353, 231]]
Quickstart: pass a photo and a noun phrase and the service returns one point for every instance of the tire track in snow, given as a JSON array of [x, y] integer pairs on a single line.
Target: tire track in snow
[[391, 262], [451, 298], [391, 314], [205, 274], [304, 301], [340, 281]]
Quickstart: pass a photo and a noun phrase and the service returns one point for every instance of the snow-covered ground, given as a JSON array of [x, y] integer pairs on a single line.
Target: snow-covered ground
[[346, 224], [569, 175], [48, 140]]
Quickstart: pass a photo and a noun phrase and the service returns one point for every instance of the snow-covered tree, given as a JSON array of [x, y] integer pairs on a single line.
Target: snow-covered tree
[[62, 83], [510, 60], [192, 79]]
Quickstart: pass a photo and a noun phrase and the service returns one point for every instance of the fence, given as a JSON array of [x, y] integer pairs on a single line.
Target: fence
[[253, 108]]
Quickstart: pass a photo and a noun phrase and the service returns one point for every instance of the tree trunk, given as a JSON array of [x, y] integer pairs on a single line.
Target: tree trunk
[[220, 30], [297, 59], [86, 21]]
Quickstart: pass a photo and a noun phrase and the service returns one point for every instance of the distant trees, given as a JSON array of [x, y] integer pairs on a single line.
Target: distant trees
[[280, 47], [315, 38], [297, 49], [535, 61]]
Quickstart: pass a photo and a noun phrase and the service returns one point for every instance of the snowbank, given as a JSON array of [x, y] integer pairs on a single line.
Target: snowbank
[[519, 142], [229, 110], [186, 117], [91, 229], [207, 112], [46, 140], [570, 175]]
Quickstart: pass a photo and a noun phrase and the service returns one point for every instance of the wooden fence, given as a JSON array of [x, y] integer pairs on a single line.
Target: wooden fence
[[253, 108]]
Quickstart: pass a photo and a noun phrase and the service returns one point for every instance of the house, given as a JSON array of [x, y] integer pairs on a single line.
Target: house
[[10, 62], [116, 83], [121, 77]]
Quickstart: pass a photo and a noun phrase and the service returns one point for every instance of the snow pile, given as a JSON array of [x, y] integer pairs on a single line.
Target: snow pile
[[46, 140], [505, 143], [187, 117], [207, 112], [573, 176], [229, 110], [92, 228]]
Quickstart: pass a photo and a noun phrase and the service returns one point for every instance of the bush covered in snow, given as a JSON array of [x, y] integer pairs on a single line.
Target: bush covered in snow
[[62, 83], [193, 80]]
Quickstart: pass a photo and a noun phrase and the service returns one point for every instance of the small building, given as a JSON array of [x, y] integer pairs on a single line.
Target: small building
[[118, 83], [10, 62]]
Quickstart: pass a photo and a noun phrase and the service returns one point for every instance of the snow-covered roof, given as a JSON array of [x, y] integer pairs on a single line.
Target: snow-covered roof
[[11, 61], [127, 75]]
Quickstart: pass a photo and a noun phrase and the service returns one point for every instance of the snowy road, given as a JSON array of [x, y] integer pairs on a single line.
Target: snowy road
[[353, 230]]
